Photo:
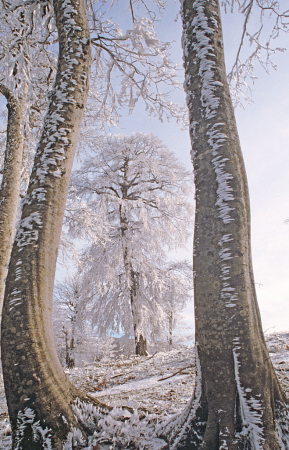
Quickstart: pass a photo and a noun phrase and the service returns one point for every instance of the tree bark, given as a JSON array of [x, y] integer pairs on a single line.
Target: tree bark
[[132, 278], [238, 402], [40, 398], [171, 328], [10, 186]]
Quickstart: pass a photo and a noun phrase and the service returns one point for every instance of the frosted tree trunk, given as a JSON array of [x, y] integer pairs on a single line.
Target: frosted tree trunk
[[10, 186], [238, 402], [69, 351], [171, 329], [132, 278], [40, 398]]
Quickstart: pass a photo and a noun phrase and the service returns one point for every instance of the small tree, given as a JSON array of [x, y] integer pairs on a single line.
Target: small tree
[[67, 300], [142, 191]]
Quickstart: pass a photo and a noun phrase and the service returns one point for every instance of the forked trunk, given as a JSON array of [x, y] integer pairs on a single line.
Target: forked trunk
[[40, 397], [10, 186], [238, 402]]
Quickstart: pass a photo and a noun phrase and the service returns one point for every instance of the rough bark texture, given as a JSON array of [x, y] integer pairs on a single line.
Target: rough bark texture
[[10, 186], [238, 402], [40, 397]]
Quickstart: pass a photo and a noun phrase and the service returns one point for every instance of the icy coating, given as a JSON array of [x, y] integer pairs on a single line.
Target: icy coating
[[251, 408], [204, 29], [205, 55], [26, 419], [179, 425], [123, 428], [56, 136]]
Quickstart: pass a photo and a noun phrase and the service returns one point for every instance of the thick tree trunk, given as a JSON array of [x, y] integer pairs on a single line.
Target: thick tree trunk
[[40, 397], [10, 186], [238, 402]]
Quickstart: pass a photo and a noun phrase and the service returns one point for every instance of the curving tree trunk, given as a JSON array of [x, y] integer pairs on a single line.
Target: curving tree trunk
[[41, 400], [238, 402], [10, 186]]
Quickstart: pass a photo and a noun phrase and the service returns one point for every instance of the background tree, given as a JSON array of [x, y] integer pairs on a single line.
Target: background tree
[[141, 190], [238, 402], [67, 299], [76, 343], [11, 178]]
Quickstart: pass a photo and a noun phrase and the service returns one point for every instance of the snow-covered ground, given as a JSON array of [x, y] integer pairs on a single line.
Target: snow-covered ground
[[158, 385]]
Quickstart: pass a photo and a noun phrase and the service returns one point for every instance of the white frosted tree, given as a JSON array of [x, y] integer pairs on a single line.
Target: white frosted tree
[[137, 185]]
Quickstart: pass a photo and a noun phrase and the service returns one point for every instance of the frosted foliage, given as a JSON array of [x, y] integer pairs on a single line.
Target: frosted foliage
[[263, 22], [74, 336], [140, 191], [282, 427], [27, 65], [131, 64], [251, 408], [27, 423], [179, 424], [120, 427], [127, 65]]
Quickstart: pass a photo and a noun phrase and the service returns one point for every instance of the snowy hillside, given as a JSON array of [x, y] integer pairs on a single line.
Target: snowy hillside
[[154, 388]]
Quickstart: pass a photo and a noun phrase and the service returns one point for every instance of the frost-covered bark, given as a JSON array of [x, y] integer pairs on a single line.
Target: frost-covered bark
[[40, 398], [10, 186], [132, 279], [238, 402]]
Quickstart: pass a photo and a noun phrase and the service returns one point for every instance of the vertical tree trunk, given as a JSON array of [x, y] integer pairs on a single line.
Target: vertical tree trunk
[[132, 277], [238, 402], [10, 186], [69, 351], [171, 327], [139, 339], [40, 397]]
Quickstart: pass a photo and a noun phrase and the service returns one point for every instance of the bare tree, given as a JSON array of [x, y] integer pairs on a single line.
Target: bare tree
[[263, 23], [238, 402]]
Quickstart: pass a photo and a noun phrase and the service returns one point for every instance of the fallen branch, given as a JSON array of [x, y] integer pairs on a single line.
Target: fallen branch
[[121, 374], [176, 373]]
